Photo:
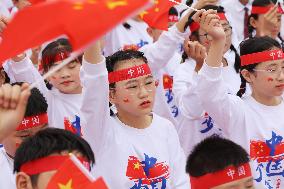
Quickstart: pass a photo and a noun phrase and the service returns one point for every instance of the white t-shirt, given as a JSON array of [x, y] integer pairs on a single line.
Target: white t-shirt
[[7, 178], [127, 157], [63, 109], [196, 124], [120, 37], [163, 58], [257, 128]]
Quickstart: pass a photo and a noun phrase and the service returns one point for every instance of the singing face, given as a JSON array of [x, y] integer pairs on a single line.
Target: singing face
[[67, 79], [134, 96]]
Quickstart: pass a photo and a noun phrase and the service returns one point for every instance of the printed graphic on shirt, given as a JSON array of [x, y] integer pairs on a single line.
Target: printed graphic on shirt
[[73, 126], [168, 86], [135, 46], [208, 125], [148, 173], [267, 157]]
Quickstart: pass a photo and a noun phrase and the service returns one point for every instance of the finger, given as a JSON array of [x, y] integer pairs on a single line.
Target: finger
[[197, 50], [272, 12], [23, 101], [215, 23], [191, 49], [210, 17], [2, 26], [203, 52], [1, 97], [16, 91], [196, 17], [7, 91]]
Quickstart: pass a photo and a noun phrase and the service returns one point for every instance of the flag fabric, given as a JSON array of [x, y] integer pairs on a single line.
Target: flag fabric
[[45, 21], [167, 81], [158, 15], [73, 175], [98, 184], [36, 1]]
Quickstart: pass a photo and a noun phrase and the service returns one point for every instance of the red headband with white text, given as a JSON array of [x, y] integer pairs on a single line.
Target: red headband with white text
[[263, 10], [173, 18], [49, 163], [129, 73], [227, 175], [261, 57], [33, 121]]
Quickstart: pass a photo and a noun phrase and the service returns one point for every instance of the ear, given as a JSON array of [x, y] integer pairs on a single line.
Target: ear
[[253, 22], [23, 181], [247, 75], [150, 31], [112, 98]]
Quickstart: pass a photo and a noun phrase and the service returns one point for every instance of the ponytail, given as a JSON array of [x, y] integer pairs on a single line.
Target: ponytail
[[237, 64], [282, 42], [242, 87]]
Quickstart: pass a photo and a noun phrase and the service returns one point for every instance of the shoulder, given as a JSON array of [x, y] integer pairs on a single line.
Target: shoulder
[[162, 123]]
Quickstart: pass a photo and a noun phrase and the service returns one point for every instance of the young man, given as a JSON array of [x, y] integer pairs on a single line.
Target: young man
[[218, 163]]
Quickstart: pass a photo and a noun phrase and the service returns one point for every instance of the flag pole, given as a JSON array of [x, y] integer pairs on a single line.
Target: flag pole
[[56, 68], [178, 3]]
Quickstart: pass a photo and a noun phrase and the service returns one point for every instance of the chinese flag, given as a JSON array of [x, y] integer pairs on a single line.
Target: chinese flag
[[73, 175], [36, 1], [135, 170], [83, 21], [167, 81], [158, 16], [98, 184]]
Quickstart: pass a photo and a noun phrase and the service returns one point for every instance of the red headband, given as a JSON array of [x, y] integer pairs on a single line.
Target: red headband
[[195, 26], [33, 121], [227, 175], [129, 73], [173, 18], [261, 57], [60, 56], [263, 10], [49, 163]]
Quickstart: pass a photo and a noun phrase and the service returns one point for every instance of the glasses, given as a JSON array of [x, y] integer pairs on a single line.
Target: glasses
[[135, 87], [227, 30], [271, 71]]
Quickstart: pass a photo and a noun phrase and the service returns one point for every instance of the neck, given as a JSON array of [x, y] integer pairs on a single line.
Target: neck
[[138, 122], [267, 100], [244, 2]]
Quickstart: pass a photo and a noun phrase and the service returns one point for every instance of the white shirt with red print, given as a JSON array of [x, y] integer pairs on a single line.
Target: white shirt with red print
[[127, 157], [256, 127]]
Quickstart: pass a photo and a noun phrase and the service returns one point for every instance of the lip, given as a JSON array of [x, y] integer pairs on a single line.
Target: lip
[[145, 104], [280, 86], [66, 83]]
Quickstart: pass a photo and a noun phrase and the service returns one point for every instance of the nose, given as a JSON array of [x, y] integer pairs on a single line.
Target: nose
[[143, 92], [64, 73]]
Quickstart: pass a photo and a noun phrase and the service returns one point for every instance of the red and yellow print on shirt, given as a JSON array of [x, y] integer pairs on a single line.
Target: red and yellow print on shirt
[[147, 173], [268, 159]]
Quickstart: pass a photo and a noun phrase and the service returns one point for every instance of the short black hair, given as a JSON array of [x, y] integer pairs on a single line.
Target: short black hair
[[49, 141], [36, 103], [215, 154]]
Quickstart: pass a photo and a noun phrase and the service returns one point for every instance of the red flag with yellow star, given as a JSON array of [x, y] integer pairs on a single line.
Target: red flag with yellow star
[[158, 15], [83, 21], [73, 175], [36, 1]]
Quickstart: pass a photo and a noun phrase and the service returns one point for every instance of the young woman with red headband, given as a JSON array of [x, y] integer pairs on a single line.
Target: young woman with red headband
[[256, 121]]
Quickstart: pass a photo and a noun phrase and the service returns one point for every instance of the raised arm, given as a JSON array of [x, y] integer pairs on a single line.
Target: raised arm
[[94, 110], [160, 52], [223, 108]]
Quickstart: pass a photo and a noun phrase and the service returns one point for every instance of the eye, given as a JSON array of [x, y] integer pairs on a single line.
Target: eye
[[271, 70], [131, 87], [149, 82]]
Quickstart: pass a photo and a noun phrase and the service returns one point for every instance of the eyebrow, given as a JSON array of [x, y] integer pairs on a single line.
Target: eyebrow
[[135, 80]]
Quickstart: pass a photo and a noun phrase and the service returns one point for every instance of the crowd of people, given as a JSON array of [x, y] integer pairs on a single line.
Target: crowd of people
[[199, 105]]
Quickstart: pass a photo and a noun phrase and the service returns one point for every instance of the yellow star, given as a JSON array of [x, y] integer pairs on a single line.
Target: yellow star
[[136, 165], [157, 9], [68, 185], [142, 14], [112, 4], [78, 6]]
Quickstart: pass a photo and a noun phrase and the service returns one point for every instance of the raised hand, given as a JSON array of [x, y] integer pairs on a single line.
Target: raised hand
[[13, 102], [202, 3], [196, 51]]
